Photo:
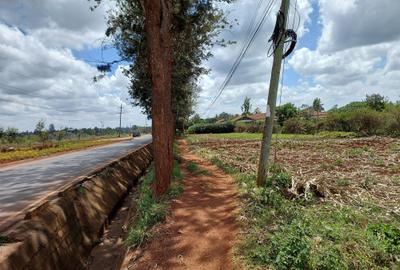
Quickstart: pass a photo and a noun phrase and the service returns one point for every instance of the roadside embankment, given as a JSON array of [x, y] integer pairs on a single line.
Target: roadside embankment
[[60, 233]]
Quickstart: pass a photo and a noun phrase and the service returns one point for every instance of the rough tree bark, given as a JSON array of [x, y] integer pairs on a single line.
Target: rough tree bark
[[158, 24]]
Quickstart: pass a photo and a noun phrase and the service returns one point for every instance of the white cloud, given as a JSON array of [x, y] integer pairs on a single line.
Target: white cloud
[[37, 81], [252, 77], [357, 53], [354, 23], [58, 23]]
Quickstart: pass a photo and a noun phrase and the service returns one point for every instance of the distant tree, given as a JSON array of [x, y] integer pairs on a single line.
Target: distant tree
[[246, 107], [195, 119], [257, 110], [61, 134], [317, 105], [285, 112], [11, 134], [40, 130], [1, 132], [376, 102], [51, 129]]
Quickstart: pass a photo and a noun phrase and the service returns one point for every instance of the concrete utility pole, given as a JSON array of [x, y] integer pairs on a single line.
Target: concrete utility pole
[[120, 118], [273, 91]]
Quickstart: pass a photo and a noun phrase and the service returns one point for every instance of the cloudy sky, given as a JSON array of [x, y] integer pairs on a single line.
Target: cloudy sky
[[47, 49]]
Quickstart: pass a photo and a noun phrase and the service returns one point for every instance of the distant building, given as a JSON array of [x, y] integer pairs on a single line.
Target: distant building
[[249, 118]]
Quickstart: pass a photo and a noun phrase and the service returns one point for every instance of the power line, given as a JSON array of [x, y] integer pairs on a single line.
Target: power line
[[243, 52]]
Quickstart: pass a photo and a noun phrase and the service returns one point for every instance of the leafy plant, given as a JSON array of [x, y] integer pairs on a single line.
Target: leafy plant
[[344, 182], [291, 246], [369, 181]]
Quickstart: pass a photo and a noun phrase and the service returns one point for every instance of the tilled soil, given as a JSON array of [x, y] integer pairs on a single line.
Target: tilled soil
[[352, 171], [201, 229]]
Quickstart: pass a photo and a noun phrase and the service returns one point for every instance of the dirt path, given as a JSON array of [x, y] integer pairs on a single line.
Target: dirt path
[[201, 229]]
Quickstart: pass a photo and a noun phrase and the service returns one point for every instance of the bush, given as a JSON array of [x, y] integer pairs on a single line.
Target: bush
[[366, 122], [212, 128], [299, 125], [393, 126], [255, 127]]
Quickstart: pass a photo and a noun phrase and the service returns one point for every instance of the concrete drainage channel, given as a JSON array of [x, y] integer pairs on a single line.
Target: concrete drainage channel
[[60, 233]]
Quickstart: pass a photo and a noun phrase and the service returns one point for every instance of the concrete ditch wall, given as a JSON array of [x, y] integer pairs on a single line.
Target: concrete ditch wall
[[60, 233]]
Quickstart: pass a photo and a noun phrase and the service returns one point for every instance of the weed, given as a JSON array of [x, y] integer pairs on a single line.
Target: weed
[[369, 181], [327, 167], [330, 258], [396, 180], [379, 162], [176, 171], [385, 238], [192, 167], [151, 211], [343, 182], [395, 169], [354, 152], [81, 189], [290, 247], [175, 190], [339, 162], [282, 179]]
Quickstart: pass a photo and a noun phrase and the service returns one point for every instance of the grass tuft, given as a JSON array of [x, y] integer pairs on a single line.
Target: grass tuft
[[151, 211]]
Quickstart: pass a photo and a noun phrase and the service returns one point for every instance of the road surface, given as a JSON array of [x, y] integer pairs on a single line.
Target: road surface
[[23, 184]]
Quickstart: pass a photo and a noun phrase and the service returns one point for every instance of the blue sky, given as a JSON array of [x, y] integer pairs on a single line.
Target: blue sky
[[46, 71]]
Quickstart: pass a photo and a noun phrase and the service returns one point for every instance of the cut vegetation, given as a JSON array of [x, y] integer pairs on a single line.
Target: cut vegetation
[[328, 203]]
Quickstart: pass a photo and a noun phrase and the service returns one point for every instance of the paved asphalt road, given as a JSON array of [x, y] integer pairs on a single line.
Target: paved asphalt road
[[23, 184]]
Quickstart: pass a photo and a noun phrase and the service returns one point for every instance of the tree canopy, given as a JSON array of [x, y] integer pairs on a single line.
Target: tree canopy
[[285, 112], [195, 27], [376, 102], [246, 107], [317, 105]]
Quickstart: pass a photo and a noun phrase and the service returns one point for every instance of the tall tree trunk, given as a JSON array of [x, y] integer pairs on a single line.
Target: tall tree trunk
[[158, 24]]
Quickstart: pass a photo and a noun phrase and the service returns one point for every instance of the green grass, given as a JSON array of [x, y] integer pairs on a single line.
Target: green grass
[[258, 136], [279, 233], [343, 182], [151, 211], [196, 169], [65, 146]]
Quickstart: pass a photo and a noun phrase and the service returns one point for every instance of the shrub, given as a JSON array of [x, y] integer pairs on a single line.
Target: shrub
[[393, 125], [211, 128], [299, 125], [366, 121], [254, 127]]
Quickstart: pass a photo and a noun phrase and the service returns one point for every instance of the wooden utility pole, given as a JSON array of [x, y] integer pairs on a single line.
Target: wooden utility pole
[[120, 119], [279, 41]]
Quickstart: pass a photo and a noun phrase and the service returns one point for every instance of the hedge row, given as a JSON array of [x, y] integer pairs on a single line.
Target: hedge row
[[212, 128], [360, 121]]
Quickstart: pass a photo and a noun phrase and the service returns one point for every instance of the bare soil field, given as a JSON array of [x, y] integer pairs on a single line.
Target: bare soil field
[[350, 171], [328, 203]]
